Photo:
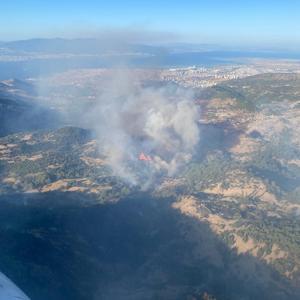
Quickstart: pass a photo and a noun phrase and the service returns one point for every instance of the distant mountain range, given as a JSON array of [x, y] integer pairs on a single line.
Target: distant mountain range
[[78, 46], [40, 57], [93, 46]]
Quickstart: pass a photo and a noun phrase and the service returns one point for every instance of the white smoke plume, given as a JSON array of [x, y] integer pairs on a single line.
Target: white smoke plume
[[130, 119]]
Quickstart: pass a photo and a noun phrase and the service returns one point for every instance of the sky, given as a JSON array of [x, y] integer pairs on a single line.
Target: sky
[[274, 22]]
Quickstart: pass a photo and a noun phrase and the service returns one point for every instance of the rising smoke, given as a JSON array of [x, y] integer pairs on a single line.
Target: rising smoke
[[130, 119]]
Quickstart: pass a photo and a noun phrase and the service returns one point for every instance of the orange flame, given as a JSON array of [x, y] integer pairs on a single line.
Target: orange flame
[[144, 157]]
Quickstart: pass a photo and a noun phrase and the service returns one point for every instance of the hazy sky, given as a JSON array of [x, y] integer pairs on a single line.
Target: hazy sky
[[211, 21]]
